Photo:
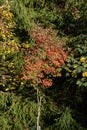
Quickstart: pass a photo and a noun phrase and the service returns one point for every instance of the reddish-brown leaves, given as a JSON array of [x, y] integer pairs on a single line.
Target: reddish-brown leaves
[[47, 82], [44, 59]]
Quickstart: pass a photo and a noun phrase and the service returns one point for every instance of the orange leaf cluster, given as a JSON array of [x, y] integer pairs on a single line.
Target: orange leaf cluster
[[43, 60]]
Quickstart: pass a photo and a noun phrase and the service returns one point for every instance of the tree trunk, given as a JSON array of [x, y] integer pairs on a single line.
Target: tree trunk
[[39, 99]]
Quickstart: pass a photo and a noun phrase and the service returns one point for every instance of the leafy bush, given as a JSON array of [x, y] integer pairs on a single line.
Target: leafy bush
[[76, 64], [42, 62]]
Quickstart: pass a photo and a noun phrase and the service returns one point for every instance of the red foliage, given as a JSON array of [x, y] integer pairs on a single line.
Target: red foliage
[[47, 82], [43, 60]]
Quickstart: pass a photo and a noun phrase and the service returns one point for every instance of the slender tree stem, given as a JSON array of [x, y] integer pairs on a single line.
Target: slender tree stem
[[39, 99]]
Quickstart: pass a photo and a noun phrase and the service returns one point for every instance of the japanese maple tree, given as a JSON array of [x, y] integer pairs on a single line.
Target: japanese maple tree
[[42, 62]]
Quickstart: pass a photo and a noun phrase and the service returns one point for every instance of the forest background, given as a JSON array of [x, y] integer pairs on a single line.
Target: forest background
[[43, 65]]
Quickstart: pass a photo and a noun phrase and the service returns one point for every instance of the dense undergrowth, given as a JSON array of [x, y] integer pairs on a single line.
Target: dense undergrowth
[[43, 65]]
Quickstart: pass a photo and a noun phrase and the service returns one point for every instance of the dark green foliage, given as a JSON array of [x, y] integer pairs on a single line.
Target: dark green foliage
[[73, 18], [78, 45], [76, 64], [74, 73]]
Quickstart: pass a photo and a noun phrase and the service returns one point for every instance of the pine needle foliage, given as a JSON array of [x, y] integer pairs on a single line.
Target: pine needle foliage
[[24, 13], [66, 122], [16, 113]]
